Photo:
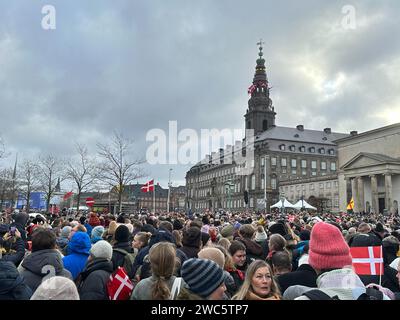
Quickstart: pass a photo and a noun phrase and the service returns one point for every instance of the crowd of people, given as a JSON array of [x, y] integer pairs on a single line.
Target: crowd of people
[[201, 256]]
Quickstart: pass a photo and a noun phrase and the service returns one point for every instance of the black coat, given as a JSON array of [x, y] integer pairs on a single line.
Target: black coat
[[190, 252], [305, 275], [12, 286], [118, 258], [93, 280]]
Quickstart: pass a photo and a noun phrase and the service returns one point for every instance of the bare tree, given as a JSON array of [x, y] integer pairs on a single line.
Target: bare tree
[[117, 169], [29, 180], [51, 171], [83, 171], [6, 182]]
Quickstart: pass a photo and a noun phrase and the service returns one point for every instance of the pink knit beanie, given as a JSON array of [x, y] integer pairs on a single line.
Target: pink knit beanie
[[328, 249]]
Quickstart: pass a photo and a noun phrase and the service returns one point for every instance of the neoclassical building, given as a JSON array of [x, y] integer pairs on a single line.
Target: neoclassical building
[[369, 170]]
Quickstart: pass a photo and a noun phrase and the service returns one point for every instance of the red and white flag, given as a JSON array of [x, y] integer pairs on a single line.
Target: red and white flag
[[251, 89], [149, 186], [367, 260], [119, 286], [68, 195]]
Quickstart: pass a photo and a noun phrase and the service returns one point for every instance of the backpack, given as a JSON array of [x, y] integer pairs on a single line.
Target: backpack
[[119, 286], [176, 288], [129, 258], [370, 294]]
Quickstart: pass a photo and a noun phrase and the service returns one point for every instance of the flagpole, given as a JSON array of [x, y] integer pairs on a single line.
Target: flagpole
[[154, 197]]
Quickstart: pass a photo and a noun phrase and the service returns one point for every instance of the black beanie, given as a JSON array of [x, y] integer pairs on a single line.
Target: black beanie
[[177, 225], [122, 233], [278, 228], [192, 237]]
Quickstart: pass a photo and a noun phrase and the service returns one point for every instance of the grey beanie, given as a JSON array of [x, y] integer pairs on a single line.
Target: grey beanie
[[65, 231]]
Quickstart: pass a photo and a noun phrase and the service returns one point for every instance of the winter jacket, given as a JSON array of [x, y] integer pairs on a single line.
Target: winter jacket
[[144, 288], [190, 252], [12, 285], [78, 252], [118, 258], [93, 279], [89, 229], [343, 283], [265, 248], [39, 263], [238, 277], [304, 275]]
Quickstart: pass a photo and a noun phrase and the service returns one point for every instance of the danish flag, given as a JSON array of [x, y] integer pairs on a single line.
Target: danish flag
[[367, 260], [119, 286], [148, 186], [251, 89]]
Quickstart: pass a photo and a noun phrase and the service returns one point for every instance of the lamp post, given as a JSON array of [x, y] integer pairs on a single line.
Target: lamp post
[[169, 188], [282, 197]]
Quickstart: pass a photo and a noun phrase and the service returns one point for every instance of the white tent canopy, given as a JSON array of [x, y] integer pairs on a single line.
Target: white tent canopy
[[303, 204], [282, 204]]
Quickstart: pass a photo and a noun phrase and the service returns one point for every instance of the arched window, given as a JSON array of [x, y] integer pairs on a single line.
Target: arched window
[[265, 125]]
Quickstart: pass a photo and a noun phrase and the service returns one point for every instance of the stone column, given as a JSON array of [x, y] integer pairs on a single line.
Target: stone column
[[374, 193], [361, 193], [388, 189], [354, 194]]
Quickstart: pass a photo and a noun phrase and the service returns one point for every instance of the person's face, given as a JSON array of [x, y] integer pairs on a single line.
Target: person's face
[[136, 243], [239, 258], [218, 294], [261, 282]]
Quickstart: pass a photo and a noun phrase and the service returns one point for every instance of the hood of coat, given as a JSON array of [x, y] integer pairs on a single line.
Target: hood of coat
[[252, 247], [39, 262], [97, 264], [79, 243]]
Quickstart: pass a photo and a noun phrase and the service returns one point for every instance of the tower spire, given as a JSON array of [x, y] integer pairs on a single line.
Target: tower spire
[[260, 115]]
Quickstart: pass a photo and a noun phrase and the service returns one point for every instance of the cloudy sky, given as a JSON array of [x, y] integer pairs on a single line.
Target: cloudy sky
[[132, 66]]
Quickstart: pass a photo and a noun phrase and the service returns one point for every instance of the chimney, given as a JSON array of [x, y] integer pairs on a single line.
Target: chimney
[[327, 130], [300, 127], [353, 133]]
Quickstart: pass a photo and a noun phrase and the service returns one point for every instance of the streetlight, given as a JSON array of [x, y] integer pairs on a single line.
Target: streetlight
[[228, 187]]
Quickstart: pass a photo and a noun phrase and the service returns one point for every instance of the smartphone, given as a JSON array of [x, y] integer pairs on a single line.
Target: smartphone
[[12, 231]]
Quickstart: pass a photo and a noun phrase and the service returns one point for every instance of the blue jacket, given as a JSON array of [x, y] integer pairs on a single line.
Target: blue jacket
[[79, 250], [89, 229]]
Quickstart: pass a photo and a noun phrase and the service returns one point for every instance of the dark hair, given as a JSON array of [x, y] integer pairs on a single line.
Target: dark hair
[[43, 239], [236, 246], [166, 225], [281, 260]]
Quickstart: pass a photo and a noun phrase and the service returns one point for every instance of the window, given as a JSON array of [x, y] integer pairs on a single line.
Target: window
[[322, 151], [293, 163], [284, 170], [253, 182], [294, 172], [331, 152], [312, 149], [336, 184], [283, 162], [273, 161], [286, 188], [323, 165], [328, 185], [336, 202], [291, 188], [321, 185], [304, 172], [303, 187], [252, 163], [262, 161], [313, 164], [292, 148], [298, 187], [313, 173], [246, 184], [333, 166], [262, 184], [304, 163], [302, 149], [273, 183], [282, 147]]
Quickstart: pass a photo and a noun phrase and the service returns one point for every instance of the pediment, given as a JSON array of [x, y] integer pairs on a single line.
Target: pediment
[[363, 160]]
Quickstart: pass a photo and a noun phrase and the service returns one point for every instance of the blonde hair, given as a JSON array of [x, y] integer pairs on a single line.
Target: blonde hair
[[247, 286], [224, 242], [162, 260]]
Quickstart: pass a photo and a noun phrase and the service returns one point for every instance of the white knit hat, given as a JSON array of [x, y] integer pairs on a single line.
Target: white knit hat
[[56, 288], [102, 249]]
